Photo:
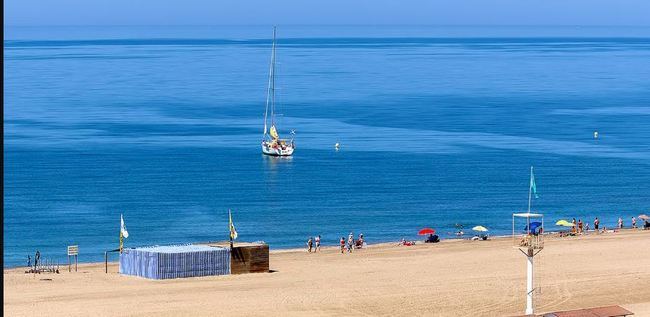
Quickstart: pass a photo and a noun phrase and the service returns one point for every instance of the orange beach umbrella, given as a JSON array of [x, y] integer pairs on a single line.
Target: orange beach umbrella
[[426, 231]]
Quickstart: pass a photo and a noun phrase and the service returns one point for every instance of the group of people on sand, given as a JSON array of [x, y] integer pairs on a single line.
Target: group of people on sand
[[406, 243], [432, 238], [646, 224], [579, 227], [621, 225], [313, 244], [351, 243]]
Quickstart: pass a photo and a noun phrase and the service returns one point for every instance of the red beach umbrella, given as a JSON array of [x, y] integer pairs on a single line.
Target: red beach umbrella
[[426, 231]]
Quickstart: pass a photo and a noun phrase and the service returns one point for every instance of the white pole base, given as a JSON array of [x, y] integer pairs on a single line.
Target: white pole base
[[529, 286]]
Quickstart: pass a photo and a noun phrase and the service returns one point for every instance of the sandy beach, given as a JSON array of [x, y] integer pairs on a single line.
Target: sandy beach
[[451, 278]]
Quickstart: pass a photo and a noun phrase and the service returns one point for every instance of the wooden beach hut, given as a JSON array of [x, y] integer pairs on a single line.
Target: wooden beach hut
[[247, 257]]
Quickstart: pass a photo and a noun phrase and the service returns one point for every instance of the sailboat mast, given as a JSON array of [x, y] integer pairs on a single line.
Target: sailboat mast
[[270, 95], [530, 189], [273, 80]]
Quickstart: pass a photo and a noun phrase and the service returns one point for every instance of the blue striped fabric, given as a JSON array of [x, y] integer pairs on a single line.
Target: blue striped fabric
[[166, 262]]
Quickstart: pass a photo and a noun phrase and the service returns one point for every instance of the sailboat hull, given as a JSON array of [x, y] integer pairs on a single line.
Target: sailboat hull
[[269, 149]]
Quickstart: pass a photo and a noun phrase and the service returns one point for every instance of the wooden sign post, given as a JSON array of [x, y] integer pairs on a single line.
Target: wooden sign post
[[73, 250]]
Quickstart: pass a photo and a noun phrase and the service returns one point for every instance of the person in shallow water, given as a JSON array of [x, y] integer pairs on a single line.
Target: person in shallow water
[[309, 244]]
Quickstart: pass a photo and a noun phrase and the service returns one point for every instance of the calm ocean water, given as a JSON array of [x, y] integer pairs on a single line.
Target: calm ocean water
[[438, 126]]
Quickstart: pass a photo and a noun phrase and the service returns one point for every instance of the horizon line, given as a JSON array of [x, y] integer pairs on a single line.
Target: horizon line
[[328, 25]]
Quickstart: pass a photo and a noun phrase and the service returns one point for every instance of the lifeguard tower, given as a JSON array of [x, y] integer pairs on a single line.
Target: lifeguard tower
[[530, 241]]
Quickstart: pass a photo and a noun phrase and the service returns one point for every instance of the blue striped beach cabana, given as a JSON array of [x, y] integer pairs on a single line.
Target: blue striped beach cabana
[[175, 261]]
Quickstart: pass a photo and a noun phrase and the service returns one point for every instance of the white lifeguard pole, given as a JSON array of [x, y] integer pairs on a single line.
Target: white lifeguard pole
[[530, 246]]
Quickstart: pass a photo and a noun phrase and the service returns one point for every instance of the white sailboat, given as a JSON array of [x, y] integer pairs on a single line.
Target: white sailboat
[[272, 144]]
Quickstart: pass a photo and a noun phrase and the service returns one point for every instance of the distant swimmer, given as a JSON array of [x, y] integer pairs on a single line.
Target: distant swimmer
[[337, 146], [595, 134]]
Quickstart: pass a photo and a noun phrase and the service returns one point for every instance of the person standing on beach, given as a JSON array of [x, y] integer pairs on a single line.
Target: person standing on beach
[[633, 223], [317, 248], [620, 223], [29, 261], [342, 242], [574, 228], [350, 242], [586, 226], [579, 225], [596, 223], [309, 244]]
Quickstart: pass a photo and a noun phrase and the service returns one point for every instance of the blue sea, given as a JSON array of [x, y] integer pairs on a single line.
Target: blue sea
[[438, 126]]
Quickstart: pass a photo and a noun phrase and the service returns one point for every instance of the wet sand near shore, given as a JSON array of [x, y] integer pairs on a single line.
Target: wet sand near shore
[[451, 278]]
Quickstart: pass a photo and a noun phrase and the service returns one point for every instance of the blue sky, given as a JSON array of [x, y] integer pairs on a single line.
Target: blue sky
[[330, 12]]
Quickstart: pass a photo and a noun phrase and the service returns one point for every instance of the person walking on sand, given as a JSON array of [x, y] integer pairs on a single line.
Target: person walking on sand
[[586, 227], [596, 223], [317, 248], [342, 243], [309, 244], [620, 223], [633, 223]]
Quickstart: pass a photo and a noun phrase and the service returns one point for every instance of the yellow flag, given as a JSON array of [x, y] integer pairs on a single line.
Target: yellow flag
[[233, 232]]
